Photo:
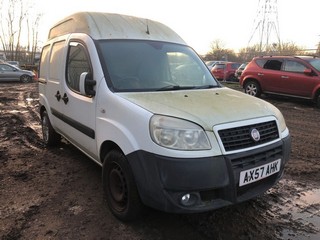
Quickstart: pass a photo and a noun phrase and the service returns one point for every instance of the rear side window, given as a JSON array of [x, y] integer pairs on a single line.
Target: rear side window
[[261, 62], [6, 68], [219, 66], [273, 64], [44, 62], [77, 63], [56, 61]]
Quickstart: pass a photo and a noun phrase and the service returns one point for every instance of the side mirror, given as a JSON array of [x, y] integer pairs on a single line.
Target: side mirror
[[87, 84], [307, 71]]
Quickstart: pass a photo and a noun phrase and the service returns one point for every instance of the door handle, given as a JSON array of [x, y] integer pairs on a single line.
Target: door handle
[[284, 77], [58, 96], [65, 98], [260, 74]]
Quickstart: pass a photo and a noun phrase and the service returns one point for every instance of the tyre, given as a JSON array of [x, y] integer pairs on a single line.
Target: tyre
[[318, 101], [50, 136], [119, 186], [252, 88], [25, 79]]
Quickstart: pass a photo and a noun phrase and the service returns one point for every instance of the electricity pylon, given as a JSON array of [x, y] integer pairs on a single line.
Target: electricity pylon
[[266, 26]]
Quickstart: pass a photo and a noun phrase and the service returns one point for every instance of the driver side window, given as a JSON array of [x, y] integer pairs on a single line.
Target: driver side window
[[77, 63], [293, 66]]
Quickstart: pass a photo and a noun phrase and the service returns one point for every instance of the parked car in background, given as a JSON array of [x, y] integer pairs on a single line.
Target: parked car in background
[[225, 71], [12, 73], [283, 75], [14, 63], [240, 70], [211, 64]]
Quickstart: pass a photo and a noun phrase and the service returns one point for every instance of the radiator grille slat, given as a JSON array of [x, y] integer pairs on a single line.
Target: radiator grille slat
[[240, 137]]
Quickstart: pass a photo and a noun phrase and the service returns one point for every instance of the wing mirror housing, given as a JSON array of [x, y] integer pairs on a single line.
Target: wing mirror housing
[[87, 84], [308, 71]]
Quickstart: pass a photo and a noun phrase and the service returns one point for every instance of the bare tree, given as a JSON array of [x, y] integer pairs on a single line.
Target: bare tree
[[219, 52], [33, 37], [18, 30]]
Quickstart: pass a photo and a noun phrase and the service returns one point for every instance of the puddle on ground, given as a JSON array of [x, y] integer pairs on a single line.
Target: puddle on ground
[[17, 111], [302, 212], [29, 100]]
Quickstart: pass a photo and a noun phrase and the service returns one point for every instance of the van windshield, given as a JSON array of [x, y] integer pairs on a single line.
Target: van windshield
[[138, 65]]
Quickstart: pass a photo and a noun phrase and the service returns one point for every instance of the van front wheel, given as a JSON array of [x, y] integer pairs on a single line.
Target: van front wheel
[[50, 136], [119, 186]]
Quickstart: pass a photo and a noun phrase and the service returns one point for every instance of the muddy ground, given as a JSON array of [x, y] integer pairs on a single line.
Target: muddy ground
[[57, 194]]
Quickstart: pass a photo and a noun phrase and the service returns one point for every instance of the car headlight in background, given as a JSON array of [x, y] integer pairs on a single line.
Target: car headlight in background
[[178, 134]]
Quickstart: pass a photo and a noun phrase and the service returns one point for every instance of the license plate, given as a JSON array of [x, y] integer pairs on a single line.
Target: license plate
[[258, 173]]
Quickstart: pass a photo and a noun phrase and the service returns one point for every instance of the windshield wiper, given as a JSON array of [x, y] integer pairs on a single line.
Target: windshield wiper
[[175, 87], [207, 86], [178, 87]]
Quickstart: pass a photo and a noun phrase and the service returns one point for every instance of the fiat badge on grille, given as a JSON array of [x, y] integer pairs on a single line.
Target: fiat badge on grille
[[255, 135]]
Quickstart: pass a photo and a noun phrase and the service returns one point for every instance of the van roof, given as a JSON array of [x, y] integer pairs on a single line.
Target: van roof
[[114, 26]]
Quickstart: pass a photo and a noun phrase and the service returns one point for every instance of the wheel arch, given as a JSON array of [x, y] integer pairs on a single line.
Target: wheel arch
[[316, 93], [106, 147], [316, 98], [42, 108], [245, 81]]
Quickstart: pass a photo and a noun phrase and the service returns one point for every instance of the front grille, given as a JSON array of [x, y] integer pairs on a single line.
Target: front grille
[[256, 159], [240, 137]]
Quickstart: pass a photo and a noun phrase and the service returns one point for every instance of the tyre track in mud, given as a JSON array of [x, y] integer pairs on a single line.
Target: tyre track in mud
[[302, 119], [20, 115]]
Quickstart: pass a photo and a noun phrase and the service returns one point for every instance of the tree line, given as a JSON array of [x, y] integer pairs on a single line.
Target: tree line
[[19, 31], [219, 52]]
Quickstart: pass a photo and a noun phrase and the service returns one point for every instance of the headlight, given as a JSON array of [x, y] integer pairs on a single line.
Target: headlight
[[279, 116], [178, 134], [282, 122]]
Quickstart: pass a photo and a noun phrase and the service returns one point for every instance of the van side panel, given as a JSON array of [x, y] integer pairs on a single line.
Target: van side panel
[[53, 88]]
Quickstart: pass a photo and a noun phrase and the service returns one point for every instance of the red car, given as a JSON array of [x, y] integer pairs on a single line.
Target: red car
[[283, 75], [225, 71]]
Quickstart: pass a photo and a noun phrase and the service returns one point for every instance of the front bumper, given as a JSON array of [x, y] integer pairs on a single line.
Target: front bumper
[[213, 182]]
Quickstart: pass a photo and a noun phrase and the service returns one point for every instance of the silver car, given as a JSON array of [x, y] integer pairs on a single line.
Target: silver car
[[12, 73]]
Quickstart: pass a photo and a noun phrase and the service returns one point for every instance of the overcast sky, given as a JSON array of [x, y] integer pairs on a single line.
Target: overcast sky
[[199, 22]]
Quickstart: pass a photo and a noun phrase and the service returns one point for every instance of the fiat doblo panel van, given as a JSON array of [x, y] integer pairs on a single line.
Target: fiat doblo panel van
[[137, 100]]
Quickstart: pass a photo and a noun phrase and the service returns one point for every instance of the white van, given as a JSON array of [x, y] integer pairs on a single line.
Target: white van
[[131, 95]]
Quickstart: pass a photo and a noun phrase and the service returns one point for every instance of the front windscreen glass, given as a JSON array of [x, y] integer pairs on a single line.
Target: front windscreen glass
[[135, 65], [315, 62]]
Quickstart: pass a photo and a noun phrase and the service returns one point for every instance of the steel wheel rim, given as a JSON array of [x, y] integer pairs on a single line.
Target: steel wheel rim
[[118, 187], [45, 129]]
